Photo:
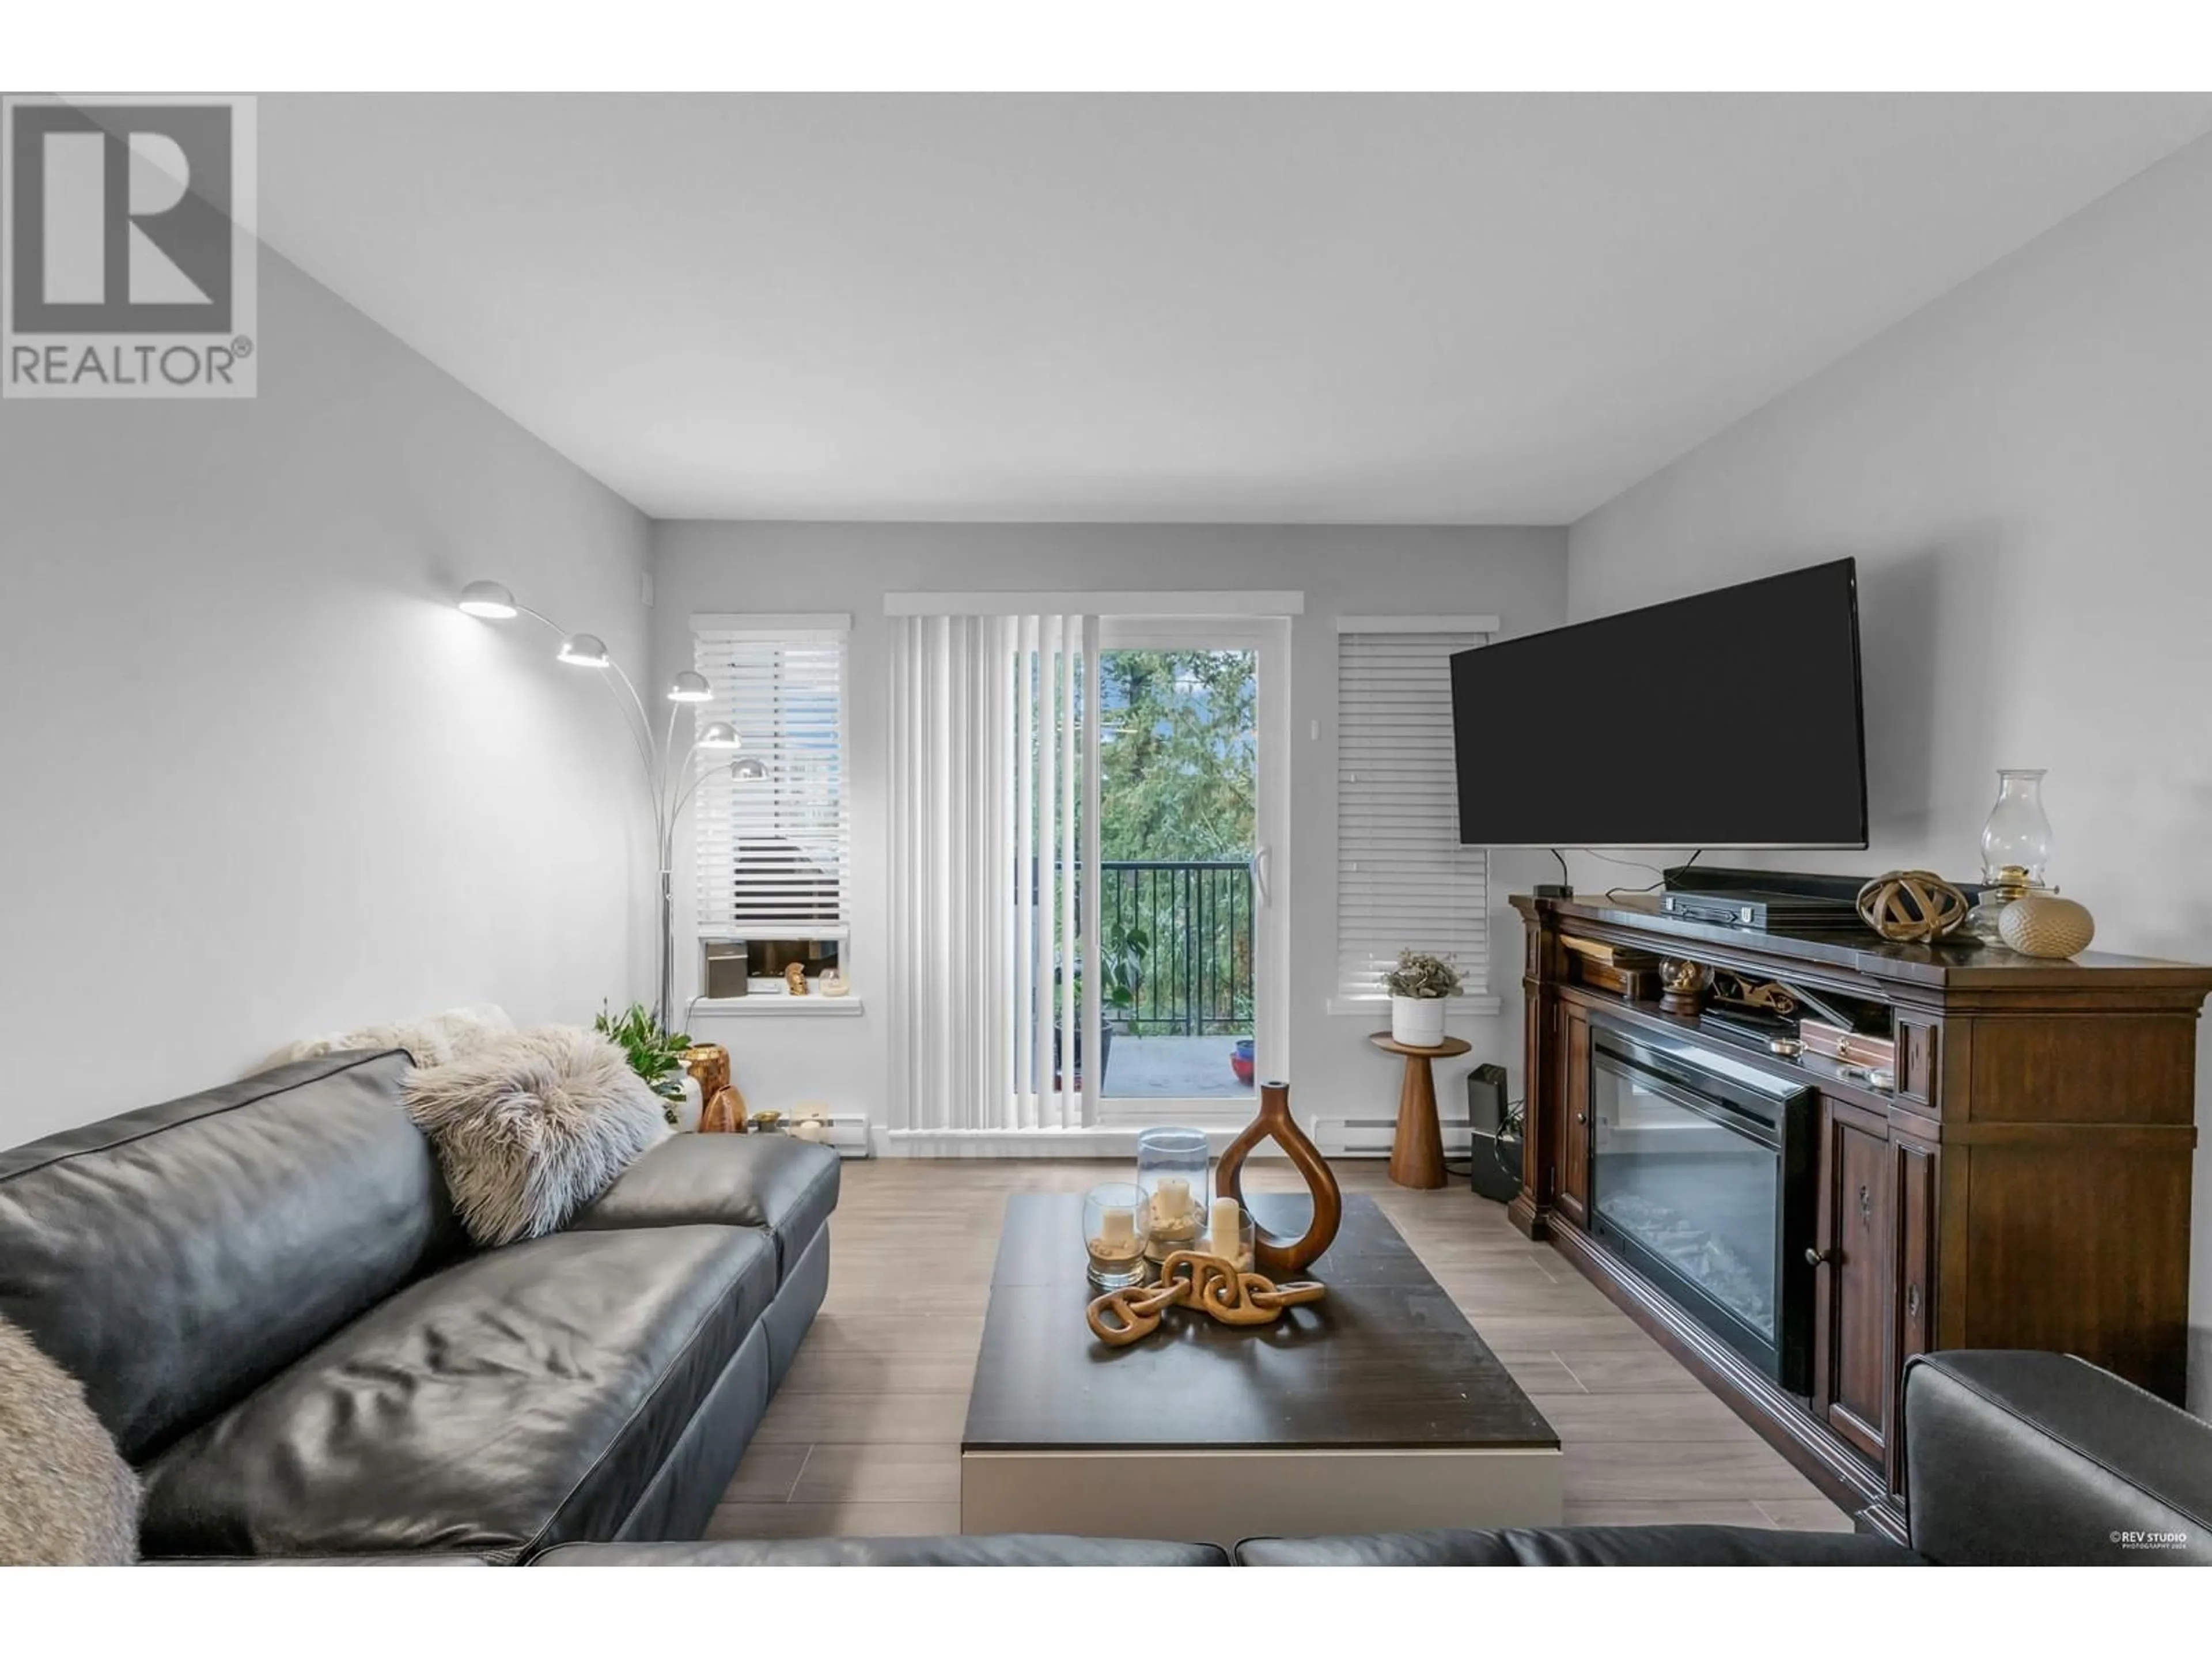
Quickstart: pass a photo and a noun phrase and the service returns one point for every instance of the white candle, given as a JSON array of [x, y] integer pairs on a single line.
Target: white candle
[[1117, 1226], [1172, 1201], [1227, 1226]]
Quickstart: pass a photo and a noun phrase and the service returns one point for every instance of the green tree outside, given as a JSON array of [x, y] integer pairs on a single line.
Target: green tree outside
[[1178, 755]]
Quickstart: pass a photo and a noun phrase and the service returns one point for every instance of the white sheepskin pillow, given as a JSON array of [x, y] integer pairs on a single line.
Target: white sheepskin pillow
[[532, 1127], [431, 1040], [67, 1498]]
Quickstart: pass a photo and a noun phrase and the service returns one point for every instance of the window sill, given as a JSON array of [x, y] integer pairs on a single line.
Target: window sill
[[1478, 1007], [771, 1007]]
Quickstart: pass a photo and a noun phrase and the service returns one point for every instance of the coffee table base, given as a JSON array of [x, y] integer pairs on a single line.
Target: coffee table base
[[1222, 1496]]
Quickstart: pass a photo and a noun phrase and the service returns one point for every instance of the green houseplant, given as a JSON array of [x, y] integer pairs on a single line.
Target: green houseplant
[[1419, 986], [654, 1054], [1121, 973]]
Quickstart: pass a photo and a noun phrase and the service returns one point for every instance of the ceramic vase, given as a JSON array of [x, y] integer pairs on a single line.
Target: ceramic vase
[[1418, 1022], [2045, 925]]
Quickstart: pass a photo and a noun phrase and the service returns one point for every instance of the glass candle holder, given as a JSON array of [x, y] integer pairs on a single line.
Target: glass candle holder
[[2016, 840], [1114, 1235], [1172, 1171], [2016, 850]]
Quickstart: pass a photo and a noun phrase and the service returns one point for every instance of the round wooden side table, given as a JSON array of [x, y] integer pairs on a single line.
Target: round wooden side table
[[1417, 1151]]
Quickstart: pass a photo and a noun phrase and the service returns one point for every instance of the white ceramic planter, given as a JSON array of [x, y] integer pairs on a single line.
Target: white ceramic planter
[[1418, 1022], [688, 1109]]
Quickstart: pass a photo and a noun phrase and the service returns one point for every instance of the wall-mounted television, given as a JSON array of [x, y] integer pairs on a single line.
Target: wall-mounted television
[[1730, 719]]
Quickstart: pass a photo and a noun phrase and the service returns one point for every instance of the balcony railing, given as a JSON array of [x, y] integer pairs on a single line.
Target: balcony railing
[[1196, 975]]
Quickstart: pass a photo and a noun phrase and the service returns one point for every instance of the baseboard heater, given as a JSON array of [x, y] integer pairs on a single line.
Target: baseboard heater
[[1370, 1137]]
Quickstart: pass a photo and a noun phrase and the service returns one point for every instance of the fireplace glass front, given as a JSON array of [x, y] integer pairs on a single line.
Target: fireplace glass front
[[1698, 1174]]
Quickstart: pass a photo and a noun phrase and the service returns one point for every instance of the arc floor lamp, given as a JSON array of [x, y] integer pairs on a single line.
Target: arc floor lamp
[[670, 780]]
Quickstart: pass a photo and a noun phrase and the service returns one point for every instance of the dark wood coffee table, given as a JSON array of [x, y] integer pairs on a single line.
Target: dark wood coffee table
[[1378, 1409]]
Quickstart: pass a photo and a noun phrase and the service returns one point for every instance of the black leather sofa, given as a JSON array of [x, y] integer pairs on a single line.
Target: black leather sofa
[[2013, 1458], [274, 1309]]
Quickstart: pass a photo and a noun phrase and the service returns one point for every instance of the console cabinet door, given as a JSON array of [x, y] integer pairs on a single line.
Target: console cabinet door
[[1851, 1299], [1914, 1164], [1574, 1115]]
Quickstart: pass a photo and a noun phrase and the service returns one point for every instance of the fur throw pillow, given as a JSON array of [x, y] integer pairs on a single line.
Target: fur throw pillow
[[67, 1498], [431, 1040], [533, 1126]]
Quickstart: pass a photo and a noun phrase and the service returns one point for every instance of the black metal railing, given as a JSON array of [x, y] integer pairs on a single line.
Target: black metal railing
[[1194, 976]]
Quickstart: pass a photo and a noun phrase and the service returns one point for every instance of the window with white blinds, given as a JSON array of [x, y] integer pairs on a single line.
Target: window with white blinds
[[770, 821], [1403, 881]]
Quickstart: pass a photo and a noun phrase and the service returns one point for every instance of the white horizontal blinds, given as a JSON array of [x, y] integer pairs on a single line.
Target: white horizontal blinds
[[774, 838], [1402, 879]]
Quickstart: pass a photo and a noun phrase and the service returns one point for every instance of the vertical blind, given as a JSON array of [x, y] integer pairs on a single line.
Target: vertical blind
[[994, 803], [1403, 881], [775, 849]]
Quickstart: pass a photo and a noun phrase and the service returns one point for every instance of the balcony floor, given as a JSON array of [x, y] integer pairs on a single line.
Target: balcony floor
[[1173, 1068]]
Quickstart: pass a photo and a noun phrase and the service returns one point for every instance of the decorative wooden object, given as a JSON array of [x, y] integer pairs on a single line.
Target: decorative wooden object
[[1274, 1253], [1911, 907], [794, 979], [1192, 1279], [1743, 991], [724, 1114], [1417, 1149], [2045, 925], [1682, 986], [2024, 1184]]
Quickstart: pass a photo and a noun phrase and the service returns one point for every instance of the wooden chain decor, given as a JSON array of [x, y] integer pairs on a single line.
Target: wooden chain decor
[[1911, 907], [1192, 1279]]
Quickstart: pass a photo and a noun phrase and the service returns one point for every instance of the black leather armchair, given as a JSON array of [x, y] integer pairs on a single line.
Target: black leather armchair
[[2012, 1458]]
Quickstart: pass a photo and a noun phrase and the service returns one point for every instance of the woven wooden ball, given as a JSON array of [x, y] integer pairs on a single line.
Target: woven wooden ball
[[1911, 907], [2045, 925]]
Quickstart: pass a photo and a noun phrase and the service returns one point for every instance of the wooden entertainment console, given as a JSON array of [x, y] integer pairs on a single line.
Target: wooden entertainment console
[[2026, 1183]]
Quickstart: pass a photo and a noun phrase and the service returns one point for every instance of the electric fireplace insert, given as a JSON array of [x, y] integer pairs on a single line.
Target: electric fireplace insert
[[1701, 1176]]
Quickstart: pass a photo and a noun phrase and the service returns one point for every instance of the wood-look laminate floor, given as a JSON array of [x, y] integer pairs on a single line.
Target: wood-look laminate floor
[[864, 1436]]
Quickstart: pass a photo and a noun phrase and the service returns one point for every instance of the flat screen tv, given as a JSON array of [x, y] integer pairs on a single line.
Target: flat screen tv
[[1731, 720]]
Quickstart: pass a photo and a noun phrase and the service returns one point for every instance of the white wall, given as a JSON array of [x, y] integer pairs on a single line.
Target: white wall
[[1519, 574], [2024, 472], [258, 779]]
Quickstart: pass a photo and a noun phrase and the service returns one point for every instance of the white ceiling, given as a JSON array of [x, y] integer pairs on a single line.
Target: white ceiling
[[1463, 309]]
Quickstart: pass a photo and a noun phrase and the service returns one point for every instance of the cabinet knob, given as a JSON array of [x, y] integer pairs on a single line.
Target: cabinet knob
[[1582, 1117], [1815, 1255]]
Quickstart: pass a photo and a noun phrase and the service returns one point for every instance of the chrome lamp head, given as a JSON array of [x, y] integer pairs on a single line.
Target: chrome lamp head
[[489, 600], [584, 650]]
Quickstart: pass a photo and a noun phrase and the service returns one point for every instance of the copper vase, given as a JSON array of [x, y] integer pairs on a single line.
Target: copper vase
[[1272, 1254]]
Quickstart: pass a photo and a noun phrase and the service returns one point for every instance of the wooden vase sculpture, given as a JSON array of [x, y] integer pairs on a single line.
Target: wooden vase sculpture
[[1271, 1253]]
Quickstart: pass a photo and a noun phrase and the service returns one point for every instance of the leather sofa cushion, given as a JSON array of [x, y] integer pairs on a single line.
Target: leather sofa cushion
[[785, 1185], [174, 1258], [2029, 1459], [1581, 1546], [1007, 1550], [524, 1397]]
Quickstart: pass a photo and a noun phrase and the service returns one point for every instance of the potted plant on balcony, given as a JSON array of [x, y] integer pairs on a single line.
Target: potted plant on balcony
[[1122, 965], [1418, 987]]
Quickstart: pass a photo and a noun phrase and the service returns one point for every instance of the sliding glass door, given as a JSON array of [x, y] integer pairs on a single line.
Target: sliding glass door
[[1191, 867]]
